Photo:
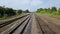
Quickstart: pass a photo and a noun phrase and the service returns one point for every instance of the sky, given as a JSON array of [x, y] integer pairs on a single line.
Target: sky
[[31, 5]]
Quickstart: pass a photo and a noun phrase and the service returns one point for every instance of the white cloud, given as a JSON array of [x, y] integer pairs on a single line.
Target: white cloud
[[31, 2], [24, 2], [21, 4], [54, 2], [36, 2]]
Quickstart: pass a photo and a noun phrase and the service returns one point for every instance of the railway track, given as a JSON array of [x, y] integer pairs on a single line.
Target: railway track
[[45, 29], [20, 27], [9, 22]]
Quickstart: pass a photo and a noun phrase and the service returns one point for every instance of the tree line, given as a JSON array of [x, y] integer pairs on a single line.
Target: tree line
[[49, 10], [10, 12]]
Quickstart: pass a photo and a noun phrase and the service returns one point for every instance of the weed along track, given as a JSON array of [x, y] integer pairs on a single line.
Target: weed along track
[[44, 27]]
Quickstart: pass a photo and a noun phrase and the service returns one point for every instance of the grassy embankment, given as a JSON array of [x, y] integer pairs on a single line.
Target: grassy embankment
[[9, 17], [53, 14]]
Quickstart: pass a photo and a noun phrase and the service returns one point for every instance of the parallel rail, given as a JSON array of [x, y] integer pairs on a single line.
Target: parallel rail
[[9, 22], [13, 29], [26, 21]]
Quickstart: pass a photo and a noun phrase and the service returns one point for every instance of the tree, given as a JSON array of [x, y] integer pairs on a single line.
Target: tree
[[45, 9], [9, 11], [59, 10], [19, 11], [2, 11], [27, 11], [54, 9], [39, 10], [49, 9]]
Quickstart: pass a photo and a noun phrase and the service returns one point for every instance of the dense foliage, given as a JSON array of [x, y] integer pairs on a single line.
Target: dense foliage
[[10, 12], [52, 10], [27, 11]]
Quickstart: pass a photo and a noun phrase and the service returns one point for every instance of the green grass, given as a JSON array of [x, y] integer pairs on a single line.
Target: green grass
[[8, 17], [54, 14]]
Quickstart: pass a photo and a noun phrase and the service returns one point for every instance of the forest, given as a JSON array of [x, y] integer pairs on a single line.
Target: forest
[[7, 12]]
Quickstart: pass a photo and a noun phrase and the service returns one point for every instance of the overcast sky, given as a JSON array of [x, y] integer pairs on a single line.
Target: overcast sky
[[32, 5]]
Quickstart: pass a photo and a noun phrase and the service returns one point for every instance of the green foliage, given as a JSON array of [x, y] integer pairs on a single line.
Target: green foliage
[[2, 11], [39, 10], [8, 12], [26, 11], [19, 12], [52, 11], [59, 10]]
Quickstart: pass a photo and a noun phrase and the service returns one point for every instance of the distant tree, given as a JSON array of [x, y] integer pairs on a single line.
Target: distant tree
[[9, 11], [49, 9], [27, 11], [45, 9], [54, 9], [19, 11], [39, 10], [2, 11], [59, 10]]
